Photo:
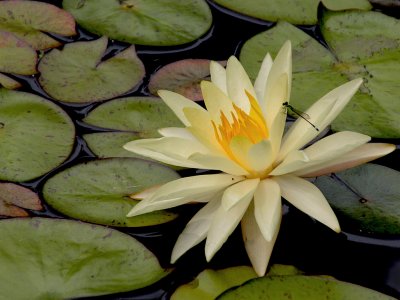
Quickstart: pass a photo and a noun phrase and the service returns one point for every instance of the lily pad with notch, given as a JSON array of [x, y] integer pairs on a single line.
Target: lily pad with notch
[[44, 258], [14, 199], [77, 73], [98, 191], [143, 22]]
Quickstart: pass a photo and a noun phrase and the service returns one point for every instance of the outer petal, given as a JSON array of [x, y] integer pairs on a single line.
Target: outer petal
[[196, 188], [178, 132], [239, 191], [218, 76], [308, 198], [258, 249], [321, 113], [215, 162], [268, 208], [358, 156], [262, 77], [196, 230], [261, 155]]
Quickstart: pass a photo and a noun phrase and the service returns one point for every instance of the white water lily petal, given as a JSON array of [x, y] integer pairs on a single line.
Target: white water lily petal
[[258, 249], [261, 156], [293, 161], [268, 208], [177, 103], [147, 193], [237, 83], [199, 188], [239, 191], [358, 156], [276, 132], [178, 132], [307, 198], [240, 146], [223, 224], [214, 162], [261, 81], [196, 230], [218, 76]]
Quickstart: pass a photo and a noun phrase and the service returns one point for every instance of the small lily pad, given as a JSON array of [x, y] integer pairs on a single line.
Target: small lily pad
[[36, 136], [98, 191], [8, 82], [143, 22], [77, 73], [16, 56], [29, 19], [367, 197], [300, 287], [209, 283], [297, 12], [182, 77], [14, 198], [61, 259]]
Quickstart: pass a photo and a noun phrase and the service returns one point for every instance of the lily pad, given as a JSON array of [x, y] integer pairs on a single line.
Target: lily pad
[[29, 19], [8, 82], [98, 191], [182, 77], [36, 136], [144, 22], [77, 73], [209, 283], [300, 287], [62, 259], [367, 197], [16, 56], [372, 54], [14, 198], [298, 12]]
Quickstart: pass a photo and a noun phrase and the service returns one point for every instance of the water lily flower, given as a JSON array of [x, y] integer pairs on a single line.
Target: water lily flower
[[241, 134]]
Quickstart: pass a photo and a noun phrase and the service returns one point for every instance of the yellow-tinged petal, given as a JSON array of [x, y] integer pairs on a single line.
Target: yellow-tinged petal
[[218, 76], [261, 81], [178, 132], [238, 191], [223, 224], [215, 162], [268, 208], [258, 249], [358, 156], [238, 150], [196, 230], [261, 156], [293, 161], [238, 83], [199, 188], [147, 193], [177, 103], [308, 198]]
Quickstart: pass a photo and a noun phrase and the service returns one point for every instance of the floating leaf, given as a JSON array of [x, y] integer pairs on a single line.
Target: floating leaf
[[14, 198], [36, 136], [16, 56], [363, 47], [62, 259], [209, 283], [8, 82], [293, 11], [98, 191], [300, 287], [29, 19], [182, 77], [158, 23], [77, 73], [368, 197]]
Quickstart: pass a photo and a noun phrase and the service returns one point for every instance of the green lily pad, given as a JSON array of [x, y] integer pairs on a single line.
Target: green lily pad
[[300, 287], [144, 22], [36, 136], [77, 73], [98, 191], [16, 56], [371, 54], [209, 283], [29, 19], [61, 259], [298, 12], [14, 198], [367, 197], [8, 82]]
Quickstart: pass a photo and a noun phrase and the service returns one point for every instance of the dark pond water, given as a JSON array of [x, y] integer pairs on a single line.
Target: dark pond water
[[369, 261]]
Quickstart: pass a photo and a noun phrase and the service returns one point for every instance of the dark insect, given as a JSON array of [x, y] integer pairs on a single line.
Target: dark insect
[[299, 113]]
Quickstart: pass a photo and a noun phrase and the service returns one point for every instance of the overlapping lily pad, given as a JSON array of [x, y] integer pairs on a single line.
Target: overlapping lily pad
[[8, 82], [29, 19], [98, 191], [133, 117], [298, 12], [61, 259], [366, 197], [300, 287], [362, 47], [77, 73], [14, 198], [36, 135], [145, 22]]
